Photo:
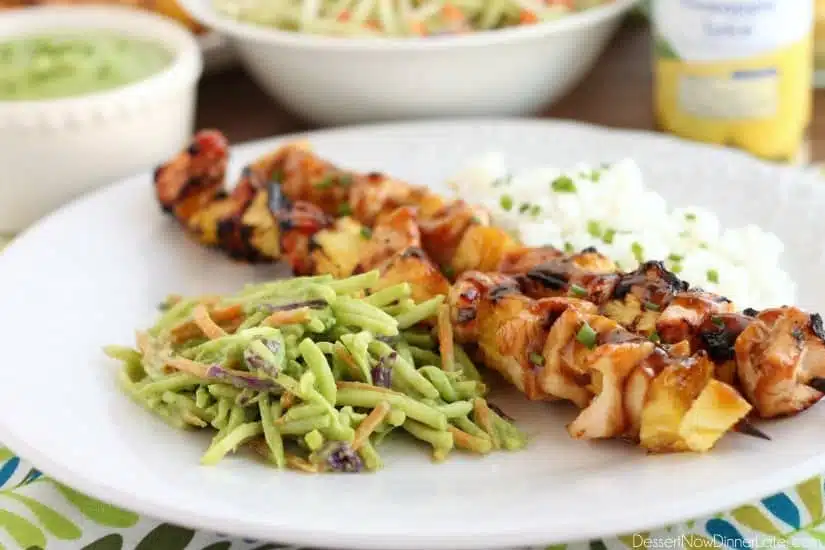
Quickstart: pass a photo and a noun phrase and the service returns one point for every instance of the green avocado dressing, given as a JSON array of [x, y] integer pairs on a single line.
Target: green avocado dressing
[[56, 66]]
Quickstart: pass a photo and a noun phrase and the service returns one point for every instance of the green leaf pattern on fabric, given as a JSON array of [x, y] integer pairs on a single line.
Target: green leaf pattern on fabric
[[37, 513]]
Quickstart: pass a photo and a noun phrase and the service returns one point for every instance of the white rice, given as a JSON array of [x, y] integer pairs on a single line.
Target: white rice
[[602, 206]]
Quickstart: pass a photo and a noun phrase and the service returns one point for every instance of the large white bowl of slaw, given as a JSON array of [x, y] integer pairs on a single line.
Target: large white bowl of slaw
[[333, 80]]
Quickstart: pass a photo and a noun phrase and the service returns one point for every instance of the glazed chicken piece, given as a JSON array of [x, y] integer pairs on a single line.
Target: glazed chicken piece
[[626, 386], [777, 357]]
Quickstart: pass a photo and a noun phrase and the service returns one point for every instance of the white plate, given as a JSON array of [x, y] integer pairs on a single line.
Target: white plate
[[89, 274]]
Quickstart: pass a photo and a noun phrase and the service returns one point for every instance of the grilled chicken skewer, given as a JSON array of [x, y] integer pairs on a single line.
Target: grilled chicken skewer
[[268, 216], [626, 385]]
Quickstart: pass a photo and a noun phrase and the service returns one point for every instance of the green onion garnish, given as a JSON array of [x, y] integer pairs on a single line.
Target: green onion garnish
[[344, 210], [366, 232], [448, 271], [713, 276], [638, 251], [536, 358], [651, 306], [677, 268], [608, 236], [654, 337], [324, 183], [587, 336], [563, 184], [690, 216], [475, 220], [716, 320], [703, 246], [568, 247], [525, 206], [535, 210], [345, 180], [594, 228], [506, 202], [675, 257], [577, 290]]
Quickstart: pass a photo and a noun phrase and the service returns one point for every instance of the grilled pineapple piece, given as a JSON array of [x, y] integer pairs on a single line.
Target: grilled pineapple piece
[[414, 268], [717, 409], [669, 399], [337, 251], [481, 249]]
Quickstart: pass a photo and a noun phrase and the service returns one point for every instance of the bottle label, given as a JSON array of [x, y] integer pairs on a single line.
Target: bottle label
[[735, 72]]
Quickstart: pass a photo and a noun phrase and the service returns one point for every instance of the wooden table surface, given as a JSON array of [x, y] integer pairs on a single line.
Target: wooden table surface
[[618, 93]]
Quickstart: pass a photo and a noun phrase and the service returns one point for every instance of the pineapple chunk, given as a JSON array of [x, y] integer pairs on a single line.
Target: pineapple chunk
[[717, 409], [338, 248], [481, 249], [669, 399]]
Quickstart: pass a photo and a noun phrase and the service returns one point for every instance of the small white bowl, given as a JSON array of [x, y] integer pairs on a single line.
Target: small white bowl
[[334, 80], [53, 150]]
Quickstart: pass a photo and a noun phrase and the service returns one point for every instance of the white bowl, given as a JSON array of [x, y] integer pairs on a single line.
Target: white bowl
[[53, 150], [332, 80]]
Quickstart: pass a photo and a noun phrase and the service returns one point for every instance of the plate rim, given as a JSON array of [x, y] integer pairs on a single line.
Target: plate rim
[[735, 494]]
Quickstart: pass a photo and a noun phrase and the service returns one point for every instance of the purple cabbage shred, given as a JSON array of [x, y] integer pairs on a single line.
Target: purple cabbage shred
[[240, 380], [343, 459], [312, 304], [257, 363], [382, 372]]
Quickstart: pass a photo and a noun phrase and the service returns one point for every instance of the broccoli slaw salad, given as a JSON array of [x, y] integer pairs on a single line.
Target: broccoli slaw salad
[[398, 18], [312, 374]]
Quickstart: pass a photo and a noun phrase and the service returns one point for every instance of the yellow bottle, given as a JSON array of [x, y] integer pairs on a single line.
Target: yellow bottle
[[735, 72]]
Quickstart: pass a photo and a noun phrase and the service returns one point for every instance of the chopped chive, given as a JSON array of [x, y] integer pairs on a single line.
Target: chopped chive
[[475, 220], [654, 337], [563, 184], [675, 257], [344, 210], [506, 202], [525, 206], [595, 176], [325, 182], [638, 251], [677, 268], [713, 276], [535, 210], [690, 216], [594, 228], [716, 320], [568, 247], [366, 232], [652, 307], [587, 336], [536, 358], [577, 290], [502, 181], [608, 236]]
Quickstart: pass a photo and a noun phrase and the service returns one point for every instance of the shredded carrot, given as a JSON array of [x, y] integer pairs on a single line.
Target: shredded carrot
[[452, 13], [363, 386], [527, 17], [298, 463], [287, 400], [294, 317], [368, 425], [209, 327], [260, 447], [445, 338], [189, 329], [344, 355], [467, 441], [187, 365], [344, 16], [417, 27], [481, 415]]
